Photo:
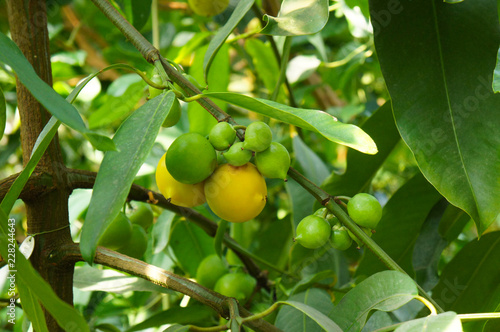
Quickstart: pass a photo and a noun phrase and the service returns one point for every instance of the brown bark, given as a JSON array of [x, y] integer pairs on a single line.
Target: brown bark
[[46, 211]]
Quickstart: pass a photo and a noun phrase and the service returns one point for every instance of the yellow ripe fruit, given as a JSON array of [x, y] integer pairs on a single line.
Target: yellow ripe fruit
[[236, 194], [208, 7], [186, 195]]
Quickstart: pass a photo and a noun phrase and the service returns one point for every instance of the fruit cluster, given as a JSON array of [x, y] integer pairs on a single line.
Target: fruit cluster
[[214, 274], [315, 230], [128, 235], [189, 173]]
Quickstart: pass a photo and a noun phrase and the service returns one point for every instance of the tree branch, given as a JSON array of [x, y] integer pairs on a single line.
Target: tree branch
[[70, 253]]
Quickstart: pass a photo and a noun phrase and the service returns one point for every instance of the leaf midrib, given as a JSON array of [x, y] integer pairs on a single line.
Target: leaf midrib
[[441, 60]]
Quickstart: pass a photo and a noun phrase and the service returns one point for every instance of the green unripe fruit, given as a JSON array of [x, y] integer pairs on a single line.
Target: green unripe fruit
[[313, 232], [238, 285], [273, 162], [191, 158], [222, 136], [174, 115], [340, 238], [153, 92], [365, 210], [208, 8], [354, 237], [137, 244], [258, 136], [211, 269], [142, 215], [236, 156], [118, 231]]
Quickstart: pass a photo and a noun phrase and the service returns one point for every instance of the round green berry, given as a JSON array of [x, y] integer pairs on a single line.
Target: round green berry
[[365, 210], [313, 232], [222, 136], [237, 156], [273, 162], [258, 136]]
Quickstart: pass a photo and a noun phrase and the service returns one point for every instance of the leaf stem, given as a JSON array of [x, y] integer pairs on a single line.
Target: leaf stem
[[480, 316], [155, 24], [284, 64], [429, 305]]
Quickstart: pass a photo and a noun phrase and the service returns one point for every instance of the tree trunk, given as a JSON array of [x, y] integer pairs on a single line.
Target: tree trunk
[[46, 212]]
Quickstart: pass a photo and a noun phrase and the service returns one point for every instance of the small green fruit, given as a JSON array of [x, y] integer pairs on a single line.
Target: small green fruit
[[340, 238], [273, 162], [238, 285], [174, 115], [222, 136], [142, 215], [210, 270], [236, 156], [365, 210], [191, 158], [153, 92], [137, 244], [118, 231], [258, 136], [313, 232], [208, 8]]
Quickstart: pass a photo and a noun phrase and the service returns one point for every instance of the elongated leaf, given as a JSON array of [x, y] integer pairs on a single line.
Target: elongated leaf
[[496, 75], [447, 321], [239, 12], [3, 113], [54, 103], [66, 316], [314, 305], [219, 236], [31, 307], [443, 101], [469, 282], [317, 121], [298, 17], [134, 139], [161, 230], [452, 223], [384, 291], [361, 168], [177, 328], [400, 225], [138, 12]]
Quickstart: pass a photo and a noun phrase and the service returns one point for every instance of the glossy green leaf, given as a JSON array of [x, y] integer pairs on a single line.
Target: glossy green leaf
[[384, 291], [66, 316], [308, 281], [469, 282], [200, 121], [134, 139], [298, 17], [3, 113], [216, 43], [314, 120], [361, 168], [161, 230], [193, 314], [90, 279], [31, 307], [219, 236], [177, 328], [314, 305], [448, 322], [378, 320], [138, 12], [443, 101], [496, 74], [452, 223], [400, 225], [190, 245], [54, 103], [116, 108]]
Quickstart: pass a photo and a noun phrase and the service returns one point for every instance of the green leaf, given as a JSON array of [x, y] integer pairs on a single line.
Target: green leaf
[[496, 74], [317, 121], [312, 166], [138, 12], [314, 305], [447, 321], [307, 282], [384, 291], [134, 139], [297, 17], [200, 121], [177, 328], [66, 316], [216, 43], [90, 279], [361, 168], [54, 103], [219, 236], [161, 230], [31, 307], [449, 119], [400, 225], [452, 223], [469, 282], [3, 113]]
